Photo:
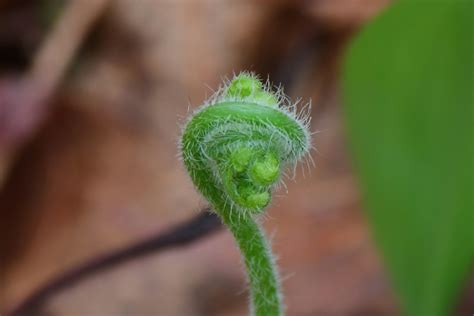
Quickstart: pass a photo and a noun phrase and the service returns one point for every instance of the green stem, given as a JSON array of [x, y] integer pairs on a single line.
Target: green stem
[[261, 269]]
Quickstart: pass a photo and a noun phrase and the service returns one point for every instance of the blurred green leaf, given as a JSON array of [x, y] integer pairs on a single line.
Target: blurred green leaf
[[409, 107]]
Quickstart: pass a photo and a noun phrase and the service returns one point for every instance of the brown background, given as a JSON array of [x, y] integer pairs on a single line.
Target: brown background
[[95, 167]]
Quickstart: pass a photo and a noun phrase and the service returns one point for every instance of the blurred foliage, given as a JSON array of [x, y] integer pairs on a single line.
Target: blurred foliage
[[409, 101]]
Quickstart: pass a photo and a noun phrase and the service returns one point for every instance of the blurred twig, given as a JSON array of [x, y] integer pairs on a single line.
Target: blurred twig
[[193, 230], [59, 48], [24, 99]]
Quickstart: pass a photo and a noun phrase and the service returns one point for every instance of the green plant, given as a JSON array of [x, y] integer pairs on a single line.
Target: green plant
[[235, 148], [409, 107]]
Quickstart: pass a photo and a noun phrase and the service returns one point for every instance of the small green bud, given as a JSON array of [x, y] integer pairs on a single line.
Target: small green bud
[[241, 158], [244, 86], [266, 98], [258, 200], [265, 171]]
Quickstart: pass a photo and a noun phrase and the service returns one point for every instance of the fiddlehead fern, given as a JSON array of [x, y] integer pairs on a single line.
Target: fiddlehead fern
[[235, 148]]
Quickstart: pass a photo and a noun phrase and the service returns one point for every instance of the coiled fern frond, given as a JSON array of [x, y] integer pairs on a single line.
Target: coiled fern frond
[[235, 148]]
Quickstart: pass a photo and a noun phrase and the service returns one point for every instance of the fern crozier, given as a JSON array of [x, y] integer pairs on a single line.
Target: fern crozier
[[235, 148]]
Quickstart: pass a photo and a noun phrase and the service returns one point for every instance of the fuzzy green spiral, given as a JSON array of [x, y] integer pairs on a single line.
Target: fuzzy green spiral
[[235, 150]]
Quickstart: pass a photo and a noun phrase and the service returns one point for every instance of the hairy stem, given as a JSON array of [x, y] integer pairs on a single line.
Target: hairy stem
[[261, 269]]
